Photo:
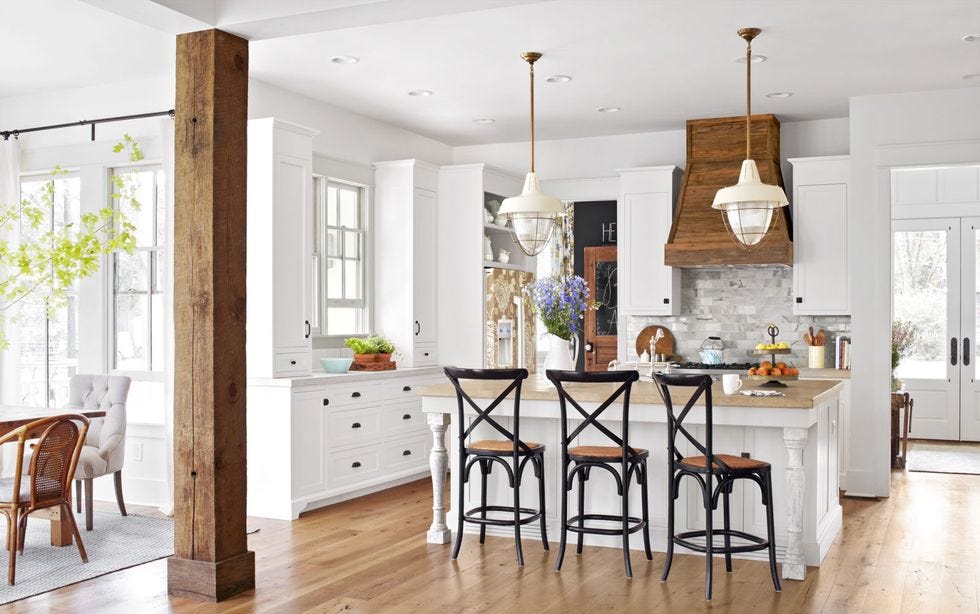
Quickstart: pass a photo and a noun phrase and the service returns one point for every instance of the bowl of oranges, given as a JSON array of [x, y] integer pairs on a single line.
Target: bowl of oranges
[[773, 371]]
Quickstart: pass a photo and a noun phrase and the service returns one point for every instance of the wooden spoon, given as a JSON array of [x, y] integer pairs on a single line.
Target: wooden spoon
[[821, 337]]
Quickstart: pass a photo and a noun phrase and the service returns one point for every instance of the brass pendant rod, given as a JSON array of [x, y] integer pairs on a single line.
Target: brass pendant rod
[[748, 101], [531, 57]]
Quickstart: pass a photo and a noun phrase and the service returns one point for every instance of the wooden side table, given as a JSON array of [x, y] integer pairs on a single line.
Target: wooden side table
[[901, 428]]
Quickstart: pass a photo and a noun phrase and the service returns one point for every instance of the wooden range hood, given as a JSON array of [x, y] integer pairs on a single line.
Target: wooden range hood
[[715, 151]]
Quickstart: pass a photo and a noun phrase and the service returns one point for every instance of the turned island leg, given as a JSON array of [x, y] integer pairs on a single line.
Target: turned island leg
[[794, 560], [438, 533]]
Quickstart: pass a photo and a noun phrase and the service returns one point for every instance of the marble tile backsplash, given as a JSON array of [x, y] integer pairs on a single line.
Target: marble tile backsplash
[[737, 304]]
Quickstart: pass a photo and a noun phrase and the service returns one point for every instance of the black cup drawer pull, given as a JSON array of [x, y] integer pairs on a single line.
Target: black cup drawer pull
[[407, 453], [406, 416], [356, 425], [355, 464], [326, 402], [292, 362], [355, 395], [406, 388]]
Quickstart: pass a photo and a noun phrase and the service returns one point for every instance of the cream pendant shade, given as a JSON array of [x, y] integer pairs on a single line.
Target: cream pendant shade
[[532, 215], [748, 206]]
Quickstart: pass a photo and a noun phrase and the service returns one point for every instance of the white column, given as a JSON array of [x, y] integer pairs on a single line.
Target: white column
[[438, 533], [794, 561]]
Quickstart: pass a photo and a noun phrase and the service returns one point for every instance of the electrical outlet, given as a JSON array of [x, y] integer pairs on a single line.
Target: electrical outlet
[[138, 451]]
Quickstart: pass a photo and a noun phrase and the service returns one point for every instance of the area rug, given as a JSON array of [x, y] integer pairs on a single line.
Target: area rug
[[116, 542], [940, 457]]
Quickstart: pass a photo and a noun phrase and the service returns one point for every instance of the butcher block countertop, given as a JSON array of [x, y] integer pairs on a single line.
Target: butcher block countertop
[[800, 394]]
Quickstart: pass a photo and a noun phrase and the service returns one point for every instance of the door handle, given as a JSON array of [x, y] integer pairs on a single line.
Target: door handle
[[952, 351], [309, 329], [966, 351], [589, 347], [418, 328]]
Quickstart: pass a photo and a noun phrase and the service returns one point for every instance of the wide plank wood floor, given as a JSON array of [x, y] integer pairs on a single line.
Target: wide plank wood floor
[[917, 551]]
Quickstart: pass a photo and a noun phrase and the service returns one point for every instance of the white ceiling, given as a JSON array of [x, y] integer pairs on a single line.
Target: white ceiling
[[661, 61]]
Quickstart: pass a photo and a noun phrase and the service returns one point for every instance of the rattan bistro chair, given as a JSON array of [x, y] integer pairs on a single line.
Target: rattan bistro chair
[[48, 480], [725, 468], [624, 462], [512, 453]]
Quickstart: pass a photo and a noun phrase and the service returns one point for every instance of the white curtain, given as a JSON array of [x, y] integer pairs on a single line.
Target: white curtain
[[9, 381], [167, 147]]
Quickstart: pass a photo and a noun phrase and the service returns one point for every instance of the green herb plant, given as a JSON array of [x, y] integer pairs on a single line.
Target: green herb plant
[[370, 345]]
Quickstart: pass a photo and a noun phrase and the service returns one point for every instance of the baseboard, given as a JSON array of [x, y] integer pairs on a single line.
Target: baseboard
[[309, 504]]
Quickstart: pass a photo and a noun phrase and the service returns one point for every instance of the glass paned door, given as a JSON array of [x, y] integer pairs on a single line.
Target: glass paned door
[[926, 292], [970, 329]]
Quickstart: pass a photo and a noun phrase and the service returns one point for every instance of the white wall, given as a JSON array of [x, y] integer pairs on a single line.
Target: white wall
[[601, 156], [938, 127]]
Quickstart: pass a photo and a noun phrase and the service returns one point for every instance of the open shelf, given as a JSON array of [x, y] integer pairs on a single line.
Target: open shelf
[[490, 264], [494, 228]]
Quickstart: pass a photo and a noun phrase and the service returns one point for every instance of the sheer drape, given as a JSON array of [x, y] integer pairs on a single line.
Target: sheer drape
[[167, 147], [9, 385]]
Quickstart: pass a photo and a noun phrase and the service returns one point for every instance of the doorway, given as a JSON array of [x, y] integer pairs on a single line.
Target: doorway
[[935, 290]]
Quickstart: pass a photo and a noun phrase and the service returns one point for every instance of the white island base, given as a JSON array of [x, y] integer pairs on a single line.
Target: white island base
[[798, 434]]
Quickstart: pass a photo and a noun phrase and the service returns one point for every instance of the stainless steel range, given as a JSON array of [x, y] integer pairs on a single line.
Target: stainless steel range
[[700, 368]]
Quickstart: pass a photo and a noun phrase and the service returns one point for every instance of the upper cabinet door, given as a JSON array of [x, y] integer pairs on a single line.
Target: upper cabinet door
[[646, 286], [820, 259], [291, 253], [424, 265]]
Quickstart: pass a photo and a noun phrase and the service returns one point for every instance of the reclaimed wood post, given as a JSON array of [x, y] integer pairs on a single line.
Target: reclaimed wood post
[[211, 559]]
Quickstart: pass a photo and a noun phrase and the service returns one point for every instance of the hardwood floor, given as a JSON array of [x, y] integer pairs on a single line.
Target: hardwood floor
[[917, 551]]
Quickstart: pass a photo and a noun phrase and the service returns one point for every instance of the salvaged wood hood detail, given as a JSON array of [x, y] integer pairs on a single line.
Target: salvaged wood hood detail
[[715, 150]]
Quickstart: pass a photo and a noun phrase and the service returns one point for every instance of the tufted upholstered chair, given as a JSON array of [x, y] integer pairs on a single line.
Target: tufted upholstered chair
[[105, 443]]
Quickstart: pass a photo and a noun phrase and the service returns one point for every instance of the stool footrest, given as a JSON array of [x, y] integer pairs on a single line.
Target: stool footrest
[[682, 539], [529, 516], [635, 524]]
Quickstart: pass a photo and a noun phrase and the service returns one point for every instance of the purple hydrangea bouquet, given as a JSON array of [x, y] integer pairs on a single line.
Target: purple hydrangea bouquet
[[561, 303]]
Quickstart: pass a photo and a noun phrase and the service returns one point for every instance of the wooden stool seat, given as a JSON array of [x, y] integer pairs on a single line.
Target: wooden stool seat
[[735, 463], [602, 453], [503, 446]]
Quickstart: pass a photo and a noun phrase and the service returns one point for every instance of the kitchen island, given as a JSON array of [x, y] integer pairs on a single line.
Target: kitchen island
[[797, 433]]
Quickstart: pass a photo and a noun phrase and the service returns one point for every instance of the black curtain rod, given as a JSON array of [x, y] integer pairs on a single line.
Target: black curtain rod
[[6, 134]]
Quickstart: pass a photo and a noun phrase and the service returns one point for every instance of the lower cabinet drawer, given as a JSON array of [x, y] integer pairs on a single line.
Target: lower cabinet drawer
[[405, 417], [353, 426], [291, 363], [403, 453], [352, 465]]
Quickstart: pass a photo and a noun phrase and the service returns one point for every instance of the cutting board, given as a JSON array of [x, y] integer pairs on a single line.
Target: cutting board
[[664, 346]]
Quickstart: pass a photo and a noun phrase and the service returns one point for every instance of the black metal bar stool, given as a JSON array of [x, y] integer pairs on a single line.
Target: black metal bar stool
[[631, 462], [726, 468], [486, 452]]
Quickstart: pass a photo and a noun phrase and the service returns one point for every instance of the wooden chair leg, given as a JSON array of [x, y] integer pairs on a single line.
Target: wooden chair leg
[[78, 496], [117, 476], [66, 512], [88, 504], [22, 529], [12, 520]]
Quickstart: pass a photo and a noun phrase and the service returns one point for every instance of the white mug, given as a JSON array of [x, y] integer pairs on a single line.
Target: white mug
[[731, 383]]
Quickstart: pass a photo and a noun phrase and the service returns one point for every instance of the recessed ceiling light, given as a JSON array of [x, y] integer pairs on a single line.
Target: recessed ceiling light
[[972, 76], [558, 79], [421, 93], [779, 94], [483, 121], [756, 59], [344, 59], [608, 109], [970, 38]]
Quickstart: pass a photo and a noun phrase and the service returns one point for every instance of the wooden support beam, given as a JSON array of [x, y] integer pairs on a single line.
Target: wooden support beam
[[211, 559]]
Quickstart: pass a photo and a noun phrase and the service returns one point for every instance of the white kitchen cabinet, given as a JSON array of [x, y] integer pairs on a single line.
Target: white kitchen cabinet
[[820, 259], [280, 206], [406, 257], [318, 440], [644, 213]]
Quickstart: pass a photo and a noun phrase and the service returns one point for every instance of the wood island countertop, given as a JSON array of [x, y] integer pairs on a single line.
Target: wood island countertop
[[799, 394]]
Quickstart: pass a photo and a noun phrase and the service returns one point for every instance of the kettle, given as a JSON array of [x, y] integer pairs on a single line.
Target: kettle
[[711, 351]]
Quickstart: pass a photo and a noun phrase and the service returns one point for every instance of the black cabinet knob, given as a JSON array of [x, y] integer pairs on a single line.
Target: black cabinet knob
[[355, 395], [292, 362], [425, 353], [406, 389], [326, 402], [356, 425], [799, 299], [666, 301], [406, 416], [407, 453], [355, 464]]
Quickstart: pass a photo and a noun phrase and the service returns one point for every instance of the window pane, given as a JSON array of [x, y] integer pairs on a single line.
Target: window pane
[[333, 242], [142, 218], [343, 321], [131, 311], [156, 325], [352, 278], [332, 206], [132, 272], [62, 352], [67, 204], [315, 293], [32, 355], [335, 284], [348, 208], [352, 245], [161, 209], [919, 287]]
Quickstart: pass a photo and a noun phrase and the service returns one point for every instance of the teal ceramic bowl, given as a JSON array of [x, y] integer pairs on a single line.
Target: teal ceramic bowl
[[336, 365]]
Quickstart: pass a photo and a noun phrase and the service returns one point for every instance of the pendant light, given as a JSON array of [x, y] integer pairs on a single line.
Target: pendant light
[[532, 214], [748, 206]]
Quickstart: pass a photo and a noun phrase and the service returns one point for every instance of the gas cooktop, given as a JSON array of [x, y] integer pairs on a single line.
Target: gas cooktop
[[729, 366]]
